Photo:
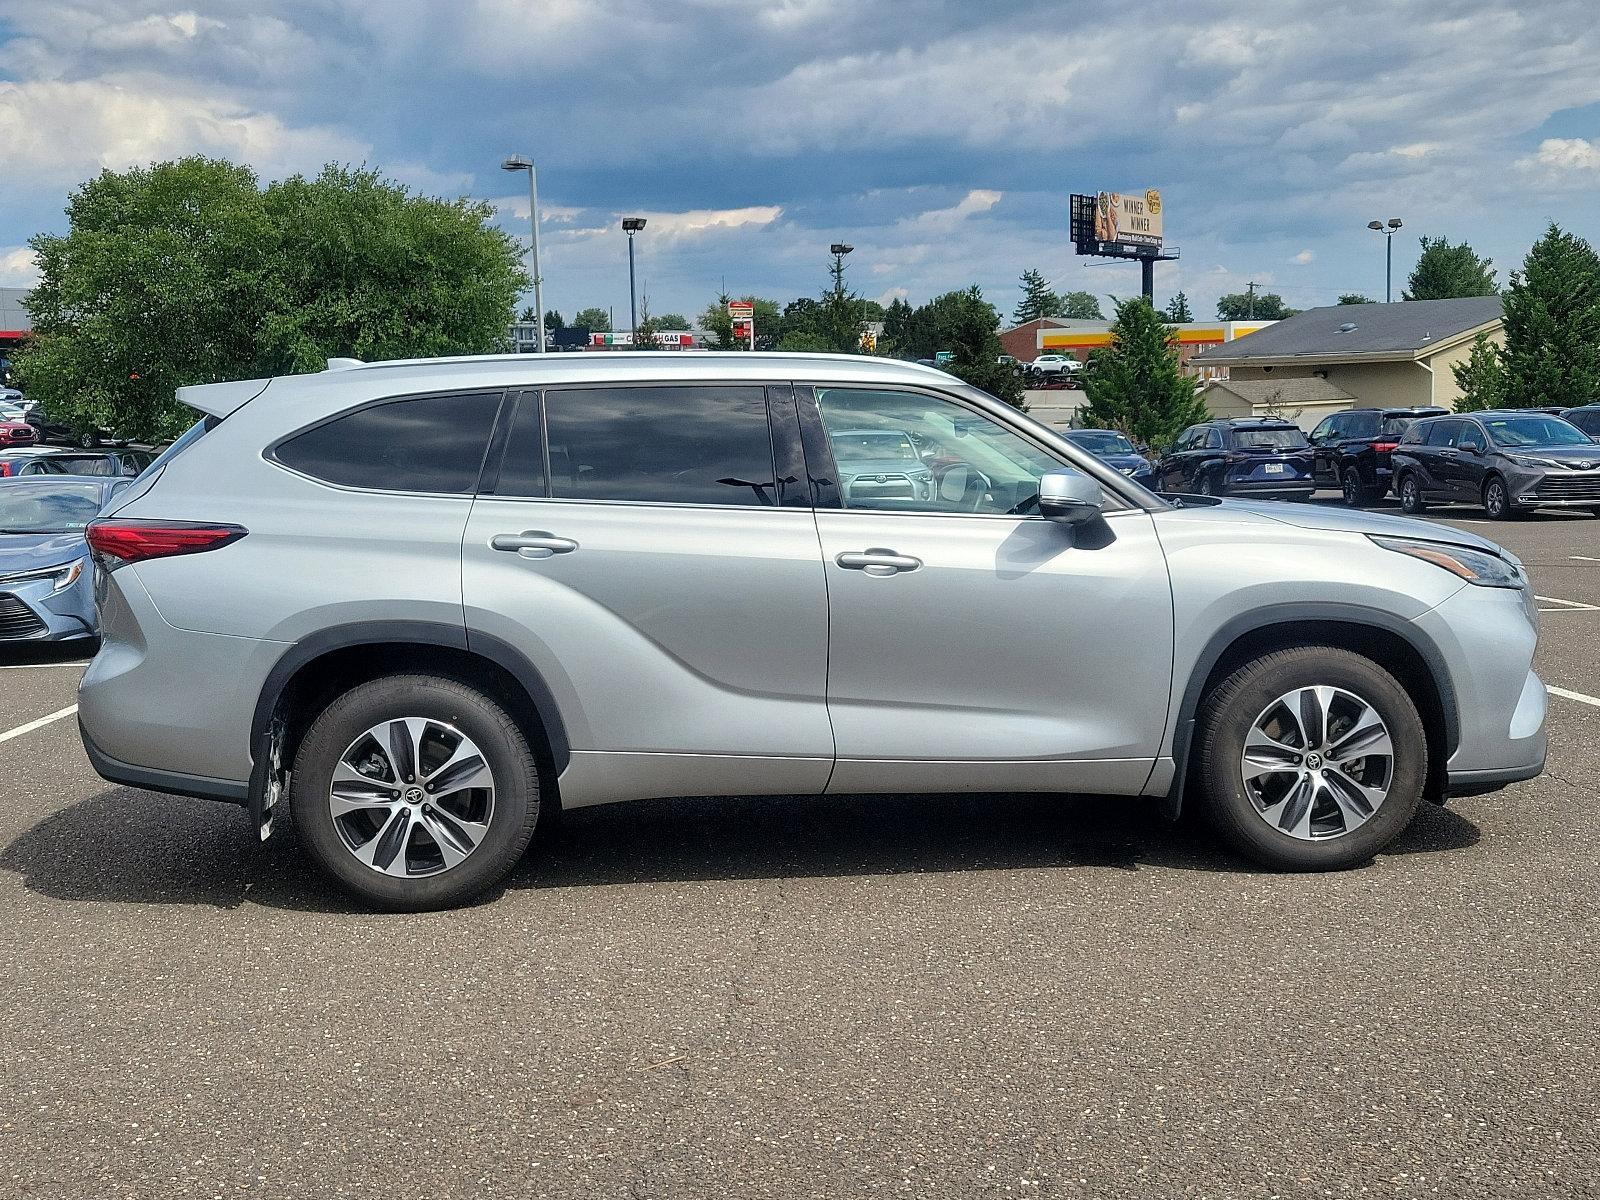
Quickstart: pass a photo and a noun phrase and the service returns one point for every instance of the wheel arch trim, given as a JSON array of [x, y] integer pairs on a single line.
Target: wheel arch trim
[[1288, 616], [422, 633]]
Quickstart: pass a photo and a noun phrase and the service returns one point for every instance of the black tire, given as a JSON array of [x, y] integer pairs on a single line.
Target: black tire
[[1356, 493], [502, 745], [1229, 711], [1410, 493], [1204, 486], [1497, 504]]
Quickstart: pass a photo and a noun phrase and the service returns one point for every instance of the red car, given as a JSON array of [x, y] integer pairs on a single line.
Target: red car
[[17, 433]]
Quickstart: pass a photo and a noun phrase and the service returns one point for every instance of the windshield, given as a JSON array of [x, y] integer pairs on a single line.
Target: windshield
[[1096, 442], [1535, 431], [869, 444], [47, 508], [1269, 439]]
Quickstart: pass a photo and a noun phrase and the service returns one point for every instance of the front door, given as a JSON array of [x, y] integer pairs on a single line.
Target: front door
[[974, 646], [638, 545]]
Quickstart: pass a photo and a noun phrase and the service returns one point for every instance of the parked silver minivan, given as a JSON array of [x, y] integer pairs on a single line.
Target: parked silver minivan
[[422, 602]]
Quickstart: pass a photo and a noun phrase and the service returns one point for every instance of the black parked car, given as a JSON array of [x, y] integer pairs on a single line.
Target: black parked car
[[1350, 450], [1115, 450], [1586, 418], [1509, 461], [1242, 456]]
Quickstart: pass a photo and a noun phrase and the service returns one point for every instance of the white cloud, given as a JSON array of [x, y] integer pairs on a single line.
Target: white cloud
[[1567, 154], [1304, 257], [675, 226], [17, 267], [56, 132]]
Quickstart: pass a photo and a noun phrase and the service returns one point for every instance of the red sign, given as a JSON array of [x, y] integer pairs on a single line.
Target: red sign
[[741, 310]]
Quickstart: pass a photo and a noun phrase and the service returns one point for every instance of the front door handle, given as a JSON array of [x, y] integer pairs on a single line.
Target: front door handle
[[533, 543], [875, 560]]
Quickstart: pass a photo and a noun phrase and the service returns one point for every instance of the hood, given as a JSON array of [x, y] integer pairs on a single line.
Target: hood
[[1354, 520], [1582, 458], [34, 551], [1120, 461]]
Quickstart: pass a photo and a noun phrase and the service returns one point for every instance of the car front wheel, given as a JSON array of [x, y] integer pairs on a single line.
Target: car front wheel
[[1311, 759], [1497, 504], [415, 792]]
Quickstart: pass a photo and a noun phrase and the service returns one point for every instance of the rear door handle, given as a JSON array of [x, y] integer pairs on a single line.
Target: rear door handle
[[533, 543], [1449, 453], [875, 560]]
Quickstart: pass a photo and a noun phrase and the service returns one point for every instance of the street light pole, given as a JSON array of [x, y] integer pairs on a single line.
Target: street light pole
[[631, 226], [518, 162], [1388, 231]]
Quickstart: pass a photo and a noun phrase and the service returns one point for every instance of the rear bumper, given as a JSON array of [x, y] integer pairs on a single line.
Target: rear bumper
[[1300, 489], [230, 791]]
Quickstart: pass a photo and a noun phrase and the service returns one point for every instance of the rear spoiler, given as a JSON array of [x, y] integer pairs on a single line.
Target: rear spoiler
[[220, 400]]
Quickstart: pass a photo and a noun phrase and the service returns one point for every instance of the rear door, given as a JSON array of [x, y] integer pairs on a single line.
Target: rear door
[[973, 646], [1325, 450], [652, 551]]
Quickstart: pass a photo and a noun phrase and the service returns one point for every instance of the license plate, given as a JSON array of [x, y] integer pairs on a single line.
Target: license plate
[[1273, 468]]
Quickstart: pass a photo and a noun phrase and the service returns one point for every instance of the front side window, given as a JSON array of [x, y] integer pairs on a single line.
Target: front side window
[[1213, 439], [908, 452], [1324, 429], [696, 444], [424, 444], [1470, 437]]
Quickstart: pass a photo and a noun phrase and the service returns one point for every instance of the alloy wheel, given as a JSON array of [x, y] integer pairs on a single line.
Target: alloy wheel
[[1494, 498], [1352, 488], [1317, 763], [412, 796]]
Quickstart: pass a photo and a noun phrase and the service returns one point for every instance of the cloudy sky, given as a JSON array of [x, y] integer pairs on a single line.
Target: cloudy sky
[[941, 137]]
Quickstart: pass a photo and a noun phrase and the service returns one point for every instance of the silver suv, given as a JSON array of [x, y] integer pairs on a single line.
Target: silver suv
[[423, 603]]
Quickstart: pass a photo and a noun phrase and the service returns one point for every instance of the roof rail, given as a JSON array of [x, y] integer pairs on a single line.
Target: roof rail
[[344, 364]]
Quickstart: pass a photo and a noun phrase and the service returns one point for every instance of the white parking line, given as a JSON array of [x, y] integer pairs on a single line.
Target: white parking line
[[1567, 605], [41, 722], [1583, 558], [1578, 696]]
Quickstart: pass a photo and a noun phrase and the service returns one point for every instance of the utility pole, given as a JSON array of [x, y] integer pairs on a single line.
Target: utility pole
[[1250, 290]]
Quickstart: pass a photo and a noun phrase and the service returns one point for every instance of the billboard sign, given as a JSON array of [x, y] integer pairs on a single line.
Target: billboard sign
[[1132, 218]]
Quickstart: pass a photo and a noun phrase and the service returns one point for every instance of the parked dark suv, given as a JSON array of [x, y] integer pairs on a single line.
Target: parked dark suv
[[1350, 450], [1586, 418], [1241, 456], [1509, 461]]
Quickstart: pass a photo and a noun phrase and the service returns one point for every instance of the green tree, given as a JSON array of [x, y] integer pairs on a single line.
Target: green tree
[[595, 320], [802, 341], [896, 323], [1080, 306], [1355, 298], [1267, 306], [553, 321], [189, 272], [1037, 299], [802, 315], [1137, 385], [1552, 324], [644, 333], [673, 321], [839, 317], [969, 327], [1482, 378], [527, 316], [1444, 272], [716, 321], [1177, 310]]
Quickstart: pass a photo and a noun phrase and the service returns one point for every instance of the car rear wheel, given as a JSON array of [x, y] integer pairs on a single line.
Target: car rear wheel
[[1356, 493], [415, 792], [1411, 495], [1497, 501], [1311, 759]]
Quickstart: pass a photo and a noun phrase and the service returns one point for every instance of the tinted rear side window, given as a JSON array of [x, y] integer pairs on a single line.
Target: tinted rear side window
[[426, 444], [662, 445], [1588, 421], [1361, 424]]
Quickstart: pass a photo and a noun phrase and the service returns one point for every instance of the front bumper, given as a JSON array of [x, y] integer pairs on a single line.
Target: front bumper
[[32, 611], [1537, 487]]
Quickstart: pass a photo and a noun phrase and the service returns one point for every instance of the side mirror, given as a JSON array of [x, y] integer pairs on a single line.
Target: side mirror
[[1069, 496]]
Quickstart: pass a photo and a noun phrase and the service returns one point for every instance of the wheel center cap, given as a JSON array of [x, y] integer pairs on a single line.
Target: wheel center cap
[[1314, 761], [413, 795]]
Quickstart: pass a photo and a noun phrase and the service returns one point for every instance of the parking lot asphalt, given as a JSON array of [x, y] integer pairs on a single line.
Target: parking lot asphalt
[[954, 996]]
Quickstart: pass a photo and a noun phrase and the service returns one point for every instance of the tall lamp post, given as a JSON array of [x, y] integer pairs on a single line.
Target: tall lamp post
[[518, 162], [1388, 231], [839, 250], [631, 226]]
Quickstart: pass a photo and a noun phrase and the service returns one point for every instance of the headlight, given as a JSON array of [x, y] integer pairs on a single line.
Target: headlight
[[1475, 566], [1129, 470], [64, 576], [1528, 460]]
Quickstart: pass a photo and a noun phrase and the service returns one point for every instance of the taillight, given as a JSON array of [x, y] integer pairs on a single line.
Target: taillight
[[116, 542], [1385, 447], [5, 470]]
